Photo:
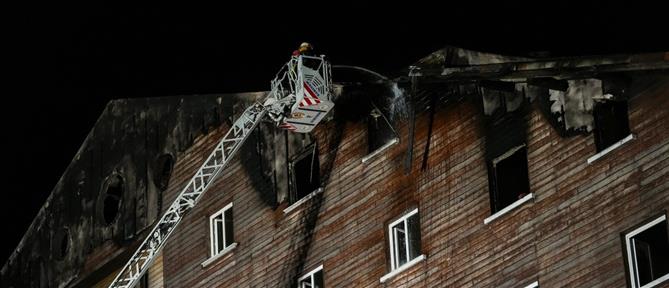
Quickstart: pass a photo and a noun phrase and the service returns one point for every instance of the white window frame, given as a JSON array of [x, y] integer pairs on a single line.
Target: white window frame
[[311, 276], [394, 250], [410, 262], [631, 261], [213, 239], [518, 202], [380, 149], [508, 209], [311, 152], [385, 146], [302, 200], [613, 146]]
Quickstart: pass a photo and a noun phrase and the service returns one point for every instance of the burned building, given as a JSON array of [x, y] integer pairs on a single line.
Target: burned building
[[473, 170]]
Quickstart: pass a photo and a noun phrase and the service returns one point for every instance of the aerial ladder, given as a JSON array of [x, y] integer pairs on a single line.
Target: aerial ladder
[[300, 97]]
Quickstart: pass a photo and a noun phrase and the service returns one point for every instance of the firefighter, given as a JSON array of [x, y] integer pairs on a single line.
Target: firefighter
[[304, 49], [307, 49]]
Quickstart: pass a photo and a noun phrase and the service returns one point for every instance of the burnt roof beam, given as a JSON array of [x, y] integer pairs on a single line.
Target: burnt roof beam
[[574, 68]]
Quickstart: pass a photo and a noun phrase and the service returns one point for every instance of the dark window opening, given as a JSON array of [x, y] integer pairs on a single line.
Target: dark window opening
[[220, 234], [318, 279], [305, 172], [112, 199], [379, 131], [164, 166], [500, 97], [62, 244], [229, 234], [509, 180], [611, 123], [144, 281], [649, 250]]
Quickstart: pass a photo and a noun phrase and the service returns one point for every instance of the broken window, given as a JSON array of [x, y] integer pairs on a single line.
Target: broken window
[[501, 97], [647, 253], [164, 165], [313, 279], [404, 236], [305, 174], [221, 229], [113, 197], [380, 133], [611, 123], [508, 175]]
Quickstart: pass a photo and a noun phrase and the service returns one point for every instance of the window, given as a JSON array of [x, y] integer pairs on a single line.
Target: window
[[163, 171], [404, 235], [611, 123], [647, 253], [113, 196], [144, 281], [380, 133], [305, 174], [313, 279], [220, 225], [62, 244], [508, 178]]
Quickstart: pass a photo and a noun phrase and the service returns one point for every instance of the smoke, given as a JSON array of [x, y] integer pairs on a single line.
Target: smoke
[[398, 106]]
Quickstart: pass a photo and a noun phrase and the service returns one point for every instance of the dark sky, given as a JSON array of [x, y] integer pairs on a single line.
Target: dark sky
[[65, 61]]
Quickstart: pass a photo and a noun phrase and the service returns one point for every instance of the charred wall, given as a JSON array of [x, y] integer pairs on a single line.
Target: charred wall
[[112, 190]]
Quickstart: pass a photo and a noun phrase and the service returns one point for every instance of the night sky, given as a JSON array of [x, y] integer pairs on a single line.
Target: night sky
[[66, 61]]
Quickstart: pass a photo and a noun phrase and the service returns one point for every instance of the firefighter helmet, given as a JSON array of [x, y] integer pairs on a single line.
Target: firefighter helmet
[[305, 46]]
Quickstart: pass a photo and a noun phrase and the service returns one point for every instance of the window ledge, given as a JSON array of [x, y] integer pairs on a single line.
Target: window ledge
[[507, 209], [656, 281], [611, 148], [533, 285], [402, 268], [380, 149], [219, 255], [304, 199]]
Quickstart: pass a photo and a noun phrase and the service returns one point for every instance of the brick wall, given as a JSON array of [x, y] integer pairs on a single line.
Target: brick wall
[[567, 236]]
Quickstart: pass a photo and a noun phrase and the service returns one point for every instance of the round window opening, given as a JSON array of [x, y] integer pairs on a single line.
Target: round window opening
[[112, 199], [62, 243]]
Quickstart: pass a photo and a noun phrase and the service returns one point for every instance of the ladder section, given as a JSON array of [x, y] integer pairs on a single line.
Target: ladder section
[[189, 196]]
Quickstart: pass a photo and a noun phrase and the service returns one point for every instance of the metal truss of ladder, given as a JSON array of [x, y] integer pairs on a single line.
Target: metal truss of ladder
[[189, 196]]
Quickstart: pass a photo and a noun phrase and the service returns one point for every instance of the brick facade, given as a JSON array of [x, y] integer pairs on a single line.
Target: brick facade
[[451, 124], [568, 235]]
